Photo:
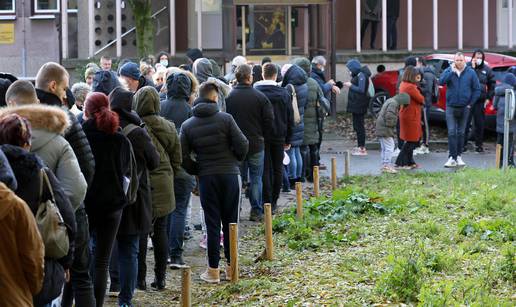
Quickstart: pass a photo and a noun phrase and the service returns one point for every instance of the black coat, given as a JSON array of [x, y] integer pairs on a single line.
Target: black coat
[[112, 161], [215, 139], [75, 136], [486, 79], [176, 108], [253, 114], [358, 101], [296, 76], [281, 102], [26, 167]]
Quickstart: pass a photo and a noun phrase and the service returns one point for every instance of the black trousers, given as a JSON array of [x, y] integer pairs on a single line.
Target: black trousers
[[272, 173], [374, 27], [159, 238], [104, 228], [392, 33], [310, 154], [477, 114], [80, 286], [406, 156], [499, 140], [220, 198], [359, 127]]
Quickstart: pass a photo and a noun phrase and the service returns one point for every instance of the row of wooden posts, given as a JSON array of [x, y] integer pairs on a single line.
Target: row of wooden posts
[[186, 274]]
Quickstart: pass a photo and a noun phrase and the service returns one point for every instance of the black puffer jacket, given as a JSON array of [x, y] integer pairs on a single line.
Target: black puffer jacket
[[176, 108], [111, 152], [26, 167], [358, 101], [252, 112], [296, 76], [429, 84], [485, 78], [281, 102], [75, 136], [215, 139], [136, 218]]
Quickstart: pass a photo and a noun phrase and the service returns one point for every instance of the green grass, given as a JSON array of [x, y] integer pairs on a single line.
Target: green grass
[[426, 239]]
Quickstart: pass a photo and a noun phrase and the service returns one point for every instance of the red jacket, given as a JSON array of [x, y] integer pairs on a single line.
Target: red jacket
[[410, 116]]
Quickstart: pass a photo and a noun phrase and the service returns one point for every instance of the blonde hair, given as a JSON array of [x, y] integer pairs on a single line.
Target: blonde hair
[[50, 72], [21, 92]]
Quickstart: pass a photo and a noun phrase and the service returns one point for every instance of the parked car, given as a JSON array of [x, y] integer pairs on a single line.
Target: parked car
[[385, 84]]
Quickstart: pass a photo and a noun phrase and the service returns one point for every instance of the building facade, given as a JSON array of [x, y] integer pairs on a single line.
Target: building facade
[[36, 31]]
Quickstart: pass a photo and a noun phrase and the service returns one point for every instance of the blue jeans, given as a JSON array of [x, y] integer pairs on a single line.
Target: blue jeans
[[255, 166], [456, 129], [295, 168], [176, 220], [128, 262]]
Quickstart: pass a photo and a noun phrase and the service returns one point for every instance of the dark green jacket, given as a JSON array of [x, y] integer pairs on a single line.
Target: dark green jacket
[[164, 136], [388, 116]]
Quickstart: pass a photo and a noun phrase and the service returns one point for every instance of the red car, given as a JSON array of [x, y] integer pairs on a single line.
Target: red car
[[385, 84]]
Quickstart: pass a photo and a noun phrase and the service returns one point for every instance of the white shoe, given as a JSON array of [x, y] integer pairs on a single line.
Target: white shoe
[[418, 151], [425, 149], [396, 152], [450, 163], [460, 162]]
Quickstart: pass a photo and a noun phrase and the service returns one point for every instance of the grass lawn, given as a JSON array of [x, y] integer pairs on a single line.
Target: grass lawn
[[437, 239]]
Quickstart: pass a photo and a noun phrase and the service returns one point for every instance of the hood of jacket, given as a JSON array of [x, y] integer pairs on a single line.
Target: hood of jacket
[[304, 63], [353, 66], [204, 108], [146, 101], [26, 165], [193, 54], [295, 75], [402, 99], [364, 69], [121, 101], [6, 173], [483, 57], [48, 98], [202, 69], [179, 85], [509, 79]]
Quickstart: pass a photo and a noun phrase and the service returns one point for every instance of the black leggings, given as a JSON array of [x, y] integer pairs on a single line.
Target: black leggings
[[406, 156], [359, 127], [160, 243], [272, 172], [310, 154]]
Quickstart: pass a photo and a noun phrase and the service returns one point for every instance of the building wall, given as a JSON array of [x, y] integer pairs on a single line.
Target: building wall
[[422, 25], [41, 43]]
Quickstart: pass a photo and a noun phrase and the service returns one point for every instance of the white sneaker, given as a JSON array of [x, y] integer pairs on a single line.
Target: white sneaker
[[460, 162], [396, 152], [418, 151], [425, 149], [450, 163]]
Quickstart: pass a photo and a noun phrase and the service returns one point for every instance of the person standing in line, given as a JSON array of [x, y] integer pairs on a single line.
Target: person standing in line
[[487, 85], [358, 102], [252, 111], [106, 197], [164, 137], [410, 118], [393, 13], [462, 90], [430, 90], [219, 146], [508, 82], [280, 135], [371, 14]]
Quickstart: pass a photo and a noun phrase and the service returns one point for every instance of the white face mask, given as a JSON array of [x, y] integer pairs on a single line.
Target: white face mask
[[479, 61], [164, 63]]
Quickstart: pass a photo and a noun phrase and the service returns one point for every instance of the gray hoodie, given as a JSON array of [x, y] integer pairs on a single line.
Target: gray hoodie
[[203, 71]]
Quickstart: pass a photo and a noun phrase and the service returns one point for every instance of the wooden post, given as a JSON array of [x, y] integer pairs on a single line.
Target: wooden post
[[347, 158], [233, 250], [316, 181], [268, 232], [299, 198], [498, 160], [333, 173], [186, 282]]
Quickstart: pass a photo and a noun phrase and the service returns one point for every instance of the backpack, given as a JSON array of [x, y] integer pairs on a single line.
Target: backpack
[[131, 187], [297, 116], [50, 222], [370, 88], [435, 91]]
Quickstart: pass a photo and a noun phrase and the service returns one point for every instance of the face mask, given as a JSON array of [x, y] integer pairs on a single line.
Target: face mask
[[479, 61], [164, 63], [322, 69]]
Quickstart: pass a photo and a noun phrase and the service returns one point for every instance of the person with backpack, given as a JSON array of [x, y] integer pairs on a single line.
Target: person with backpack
[[358, 101], [386, 129], [164, 136], [22, 252], [410, 118], [104, 82], [430, 90], [508, 82], [38, 193], [137, 217], [294, 80], [106, 197]]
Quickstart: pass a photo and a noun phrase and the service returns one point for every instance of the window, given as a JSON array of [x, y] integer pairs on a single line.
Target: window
[[7, 6], [46, 6]]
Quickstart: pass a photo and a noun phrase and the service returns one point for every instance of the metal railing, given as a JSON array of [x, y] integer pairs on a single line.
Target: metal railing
[[510, 107]]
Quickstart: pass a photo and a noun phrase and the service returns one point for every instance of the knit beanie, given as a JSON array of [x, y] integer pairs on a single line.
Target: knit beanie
[[130, 70]]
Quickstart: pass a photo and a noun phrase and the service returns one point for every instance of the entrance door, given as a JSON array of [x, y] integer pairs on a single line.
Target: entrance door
[[503, 22]]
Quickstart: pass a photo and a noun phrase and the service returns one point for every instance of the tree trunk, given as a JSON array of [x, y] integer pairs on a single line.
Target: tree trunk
[[142, 11]]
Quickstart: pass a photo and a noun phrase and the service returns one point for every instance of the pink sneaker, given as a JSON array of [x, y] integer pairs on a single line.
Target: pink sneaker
[[204, 242]]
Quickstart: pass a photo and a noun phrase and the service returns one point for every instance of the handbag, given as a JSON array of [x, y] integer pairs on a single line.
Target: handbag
[[50, 222], [297, 116]]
